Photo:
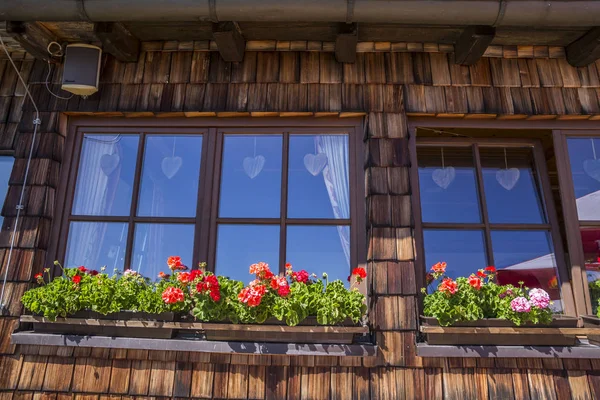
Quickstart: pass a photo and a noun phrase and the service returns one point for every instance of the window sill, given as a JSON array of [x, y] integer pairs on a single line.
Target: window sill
[[581, 350], [194, 344]]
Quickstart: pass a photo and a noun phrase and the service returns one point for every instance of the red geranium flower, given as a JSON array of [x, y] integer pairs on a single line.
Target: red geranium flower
[[93, 272], [162, 275], [481, 274], [184, 277], [195, 274], [360, 272], [76, 279], [215, 295], [439, 268], [82, 268], [490, 269], [300, 276], [38, 275], [429, 278], [475, 282], [175, 264], [283, 290], [252, 295], [172, 295], [448, 286]]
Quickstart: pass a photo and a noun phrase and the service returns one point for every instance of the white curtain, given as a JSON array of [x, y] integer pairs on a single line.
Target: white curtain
[[98, 178], [336, 176]]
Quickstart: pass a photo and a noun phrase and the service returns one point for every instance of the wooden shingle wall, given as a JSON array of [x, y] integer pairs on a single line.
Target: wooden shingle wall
[[386, 86]]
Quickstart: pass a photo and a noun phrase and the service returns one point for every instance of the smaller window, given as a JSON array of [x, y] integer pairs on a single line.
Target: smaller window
[[482, 204]]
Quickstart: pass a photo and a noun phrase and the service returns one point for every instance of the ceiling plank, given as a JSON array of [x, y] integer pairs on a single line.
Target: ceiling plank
[[118, 41], [230, 42], [472, 43], [584, 50], [345, 44], [32, 37]]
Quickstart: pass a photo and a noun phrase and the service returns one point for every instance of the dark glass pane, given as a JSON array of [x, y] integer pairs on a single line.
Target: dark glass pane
[[318, 183], [590, 238], [511, 185], [169, 186], [106, 174], [251, 176], [96, 245], [154, 243], [528, 257], [584, 156], [319, 249], [6, 166], [448, 185], [239, 246], [462, 250]]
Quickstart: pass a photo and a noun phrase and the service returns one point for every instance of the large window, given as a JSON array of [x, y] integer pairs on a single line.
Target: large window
[[228, 196], [487, 202]]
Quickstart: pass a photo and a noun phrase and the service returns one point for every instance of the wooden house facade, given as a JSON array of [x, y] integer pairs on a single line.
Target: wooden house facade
[[390, 91]]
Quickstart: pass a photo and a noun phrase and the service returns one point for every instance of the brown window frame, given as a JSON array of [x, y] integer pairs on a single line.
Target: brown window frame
[[206, 219], [573, 225], [552, 226]]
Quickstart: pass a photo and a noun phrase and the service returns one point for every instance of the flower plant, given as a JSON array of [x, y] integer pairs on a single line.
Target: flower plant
[[290, 297], [478, 296]]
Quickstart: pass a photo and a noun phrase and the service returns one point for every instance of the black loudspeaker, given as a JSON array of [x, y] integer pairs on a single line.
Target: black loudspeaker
[[82, 69]]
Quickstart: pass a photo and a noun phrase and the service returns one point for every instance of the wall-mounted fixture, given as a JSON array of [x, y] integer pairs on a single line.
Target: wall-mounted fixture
[[82, 69]]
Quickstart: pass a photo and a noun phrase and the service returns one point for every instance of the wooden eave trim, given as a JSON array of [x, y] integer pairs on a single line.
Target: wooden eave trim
[[585, 351]]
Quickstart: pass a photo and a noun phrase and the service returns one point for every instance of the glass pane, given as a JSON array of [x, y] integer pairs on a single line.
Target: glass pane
[[318, 183], [251, 176], [97, 244], [462, 250], [319, 249], [106, 173], [6, 166], [511, 186], [590, 237], [584, 156], [448, 185], [528, 257], [154, 243], [239, 246], [169, 186]]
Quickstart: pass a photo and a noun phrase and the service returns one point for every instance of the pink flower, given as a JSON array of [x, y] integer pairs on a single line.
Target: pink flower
[[300, 276], [172, 295], [520, 304], [539, 298], [283, 290]]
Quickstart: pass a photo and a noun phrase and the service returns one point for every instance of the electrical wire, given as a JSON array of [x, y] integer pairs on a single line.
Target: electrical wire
[[58, 53], [36, 122]]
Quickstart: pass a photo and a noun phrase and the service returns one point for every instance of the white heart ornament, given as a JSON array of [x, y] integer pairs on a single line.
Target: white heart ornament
[[508, 178], [443, 177], [170, 166], [109, 162], [314, 163], [592, 168], [253, 166]]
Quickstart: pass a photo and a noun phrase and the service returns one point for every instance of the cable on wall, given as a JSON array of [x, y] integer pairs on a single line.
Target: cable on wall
[[36, 123]]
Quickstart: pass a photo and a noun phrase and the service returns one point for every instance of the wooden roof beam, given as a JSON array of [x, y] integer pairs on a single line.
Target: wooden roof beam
[[230, 42], [33, 38], [584, 50], [472, 43], [118, 41], [345, 44]]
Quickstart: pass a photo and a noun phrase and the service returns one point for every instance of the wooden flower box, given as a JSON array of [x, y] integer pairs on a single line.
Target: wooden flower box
[[308, 331], [591, 321], [90, 323], [495, 332]]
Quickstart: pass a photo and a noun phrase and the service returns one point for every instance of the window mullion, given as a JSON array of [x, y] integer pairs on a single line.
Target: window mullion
[[134, 200], [482, 202], [283, 207]]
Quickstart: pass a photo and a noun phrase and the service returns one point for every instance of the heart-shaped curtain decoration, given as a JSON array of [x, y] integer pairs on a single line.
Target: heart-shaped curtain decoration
[[508, 178], [170, 166], [314, 163], [443, 177], [253, 165], [109, 162]]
